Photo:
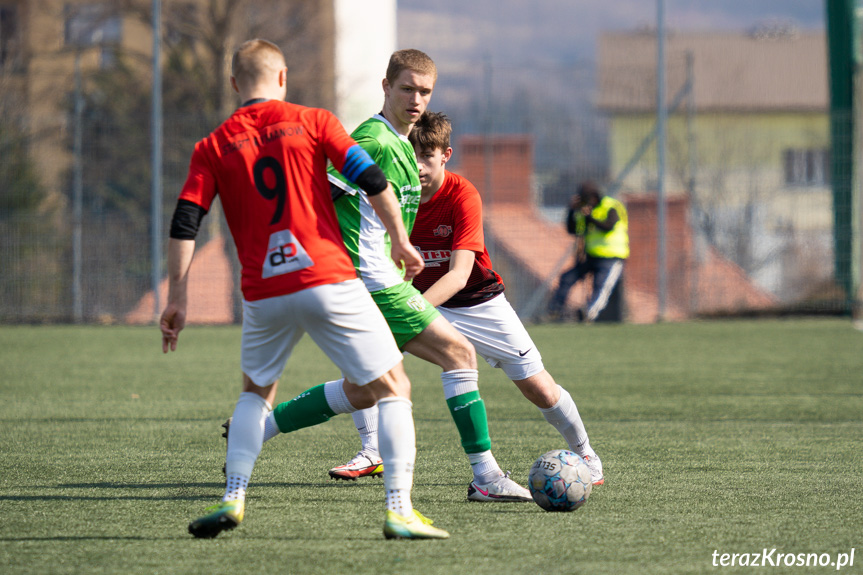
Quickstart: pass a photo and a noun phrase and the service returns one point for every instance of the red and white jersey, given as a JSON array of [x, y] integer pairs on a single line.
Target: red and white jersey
[[452, 220], [268, 164]]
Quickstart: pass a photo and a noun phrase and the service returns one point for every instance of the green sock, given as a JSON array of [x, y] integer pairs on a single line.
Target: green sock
[[305, 410], [468, 412]]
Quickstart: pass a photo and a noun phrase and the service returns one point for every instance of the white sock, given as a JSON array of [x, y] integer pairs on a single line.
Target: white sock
[[484, 466], [564, 417], [246, 436], [337, 399], [399, 500], [235, 487], [366, 422], [397, 442], [270, 428], [459, 381]]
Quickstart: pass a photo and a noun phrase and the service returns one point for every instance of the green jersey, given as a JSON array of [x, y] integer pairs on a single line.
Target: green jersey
[[362, 231]]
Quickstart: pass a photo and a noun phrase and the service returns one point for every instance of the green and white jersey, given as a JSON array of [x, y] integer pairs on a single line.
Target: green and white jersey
[[362, 231]]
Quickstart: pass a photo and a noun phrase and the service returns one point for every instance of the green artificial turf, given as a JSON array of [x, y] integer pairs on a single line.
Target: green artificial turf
[[729, 436]]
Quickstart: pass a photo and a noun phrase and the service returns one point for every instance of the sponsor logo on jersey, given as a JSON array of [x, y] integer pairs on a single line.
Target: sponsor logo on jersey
[[434, 258], [260, 139], [443, 231], [277, 132], [285, 254], [409, 200]]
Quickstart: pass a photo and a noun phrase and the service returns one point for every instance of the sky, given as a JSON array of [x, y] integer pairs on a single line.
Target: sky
[[520, 32], [529, 65]]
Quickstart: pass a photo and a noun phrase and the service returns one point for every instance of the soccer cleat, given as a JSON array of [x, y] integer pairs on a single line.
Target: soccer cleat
[[415, 527], [595, 466], [227, 426], [221, 517], [504, 489], [362, 465]]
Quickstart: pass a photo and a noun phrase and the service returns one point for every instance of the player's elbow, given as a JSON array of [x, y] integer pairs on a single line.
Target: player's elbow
[[460, 281]]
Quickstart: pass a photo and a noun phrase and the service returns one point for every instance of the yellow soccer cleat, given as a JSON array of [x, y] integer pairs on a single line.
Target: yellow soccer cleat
[[221, 517], [415, 527]]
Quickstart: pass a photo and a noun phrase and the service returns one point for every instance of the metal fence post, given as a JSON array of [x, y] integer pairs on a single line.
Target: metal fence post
[[661, 112], [156, 183], [78, 197]]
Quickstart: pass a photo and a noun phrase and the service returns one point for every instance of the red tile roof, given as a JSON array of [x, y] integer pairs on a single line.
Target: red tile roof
[[705, 284], [740, 72], [710, 285], [210, 287]]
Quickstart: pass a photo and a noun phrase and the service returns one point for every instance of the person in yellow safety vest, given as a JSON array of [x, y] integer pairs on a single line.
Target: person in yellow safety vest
[[600, 224]]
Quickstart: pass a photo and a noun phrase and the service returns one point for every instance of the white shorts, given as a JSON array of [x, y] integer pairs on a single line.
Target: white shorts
[[341, 318], [498, 335]]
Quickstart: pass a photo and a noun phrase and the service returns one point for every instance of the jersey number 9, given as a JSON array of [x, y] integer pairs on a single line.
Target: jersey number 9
[[278, 190]]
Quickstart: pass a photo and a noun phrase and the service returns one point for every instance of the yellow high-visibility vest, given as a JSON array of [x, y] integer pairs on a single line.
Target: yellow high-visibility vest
[[613, 243]]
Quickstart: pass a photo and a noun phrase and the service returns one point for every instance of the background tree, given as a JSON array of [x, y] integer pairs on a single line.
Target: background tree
[[199, 38]]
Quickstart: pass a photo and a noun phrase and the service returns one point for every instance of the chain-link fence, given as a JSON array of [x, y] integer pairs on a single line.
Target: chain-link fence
[[748, 204], [81, 251], [749, 211]]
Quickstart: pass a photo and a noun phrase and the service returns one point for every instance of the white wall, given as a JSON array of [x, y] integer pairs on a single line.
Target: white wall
[[365, 39]]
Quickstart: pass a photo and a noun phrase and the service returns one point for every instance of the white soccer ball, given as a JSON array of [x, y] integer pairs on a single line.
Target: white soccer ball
[[560, 481]]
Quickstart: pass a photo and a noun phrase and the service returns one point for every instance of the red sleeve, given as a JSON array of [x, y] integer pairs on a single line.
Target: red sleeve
[[200, 186], [467, 221]]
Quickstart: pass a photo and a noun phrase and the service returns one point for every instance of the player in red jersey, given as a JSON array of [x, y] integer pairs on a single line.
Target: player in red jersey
[[267, 163], [459, 280]]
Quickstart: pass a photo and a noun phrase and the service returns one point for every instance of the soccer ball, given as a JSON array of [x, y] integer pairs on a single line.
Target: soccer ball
[[560, 481]]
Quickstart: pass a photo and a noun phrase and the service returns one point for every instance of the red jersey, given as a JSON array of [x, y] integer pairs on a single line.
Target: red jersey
[[268, 164], [452, 220]]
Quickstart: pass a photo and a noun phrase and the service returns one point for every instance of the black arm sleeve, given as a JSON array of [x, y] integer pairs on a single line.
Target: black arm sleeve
[[372, 180], [186, 220]]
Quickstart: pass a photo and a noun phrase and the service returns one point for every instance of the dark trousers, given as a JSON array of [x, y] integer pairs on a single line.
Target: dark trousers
[[606, 275]]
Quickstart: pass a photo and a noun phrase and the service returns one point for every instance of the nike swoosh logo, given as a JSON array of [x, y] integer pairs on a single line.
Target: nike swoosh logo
[[523, 353], [483, 491]]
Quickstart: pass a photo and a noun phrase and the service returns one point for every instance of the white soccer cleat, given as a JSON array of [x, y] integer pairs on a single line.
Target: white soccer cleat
[[362, 465], [502, 490], [595, 466]]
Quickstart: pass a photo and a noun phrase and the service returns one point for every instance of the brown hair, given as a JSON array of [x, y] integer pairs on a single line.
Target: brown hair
[[254, 59], [410, 59], [431, 132]]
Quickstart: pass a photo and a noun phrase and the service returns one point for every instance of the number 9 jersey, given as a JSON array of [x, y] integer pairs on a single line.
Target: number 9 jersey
[[268, 164]]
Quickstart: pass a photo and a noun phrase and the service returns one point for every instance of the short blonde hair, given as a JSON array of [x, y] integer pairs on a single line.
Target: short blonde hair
[[254, 60], [413, 60]]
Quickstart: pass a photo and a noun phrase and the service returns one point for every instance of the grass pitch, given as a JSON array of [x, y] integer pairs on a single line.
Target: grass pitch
[[727, 437]]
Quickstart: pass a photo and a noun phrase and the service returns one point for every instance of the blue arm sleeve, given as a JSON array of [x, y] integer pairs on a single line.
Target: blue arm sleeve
[[356, 162], [360, 169]]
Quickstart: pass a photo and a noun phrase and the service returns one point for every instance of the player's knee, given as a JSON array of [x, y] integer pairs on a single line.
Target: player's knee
[[462, 353], [539, 389], [459, 357], [360, 396], [394, 383]]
